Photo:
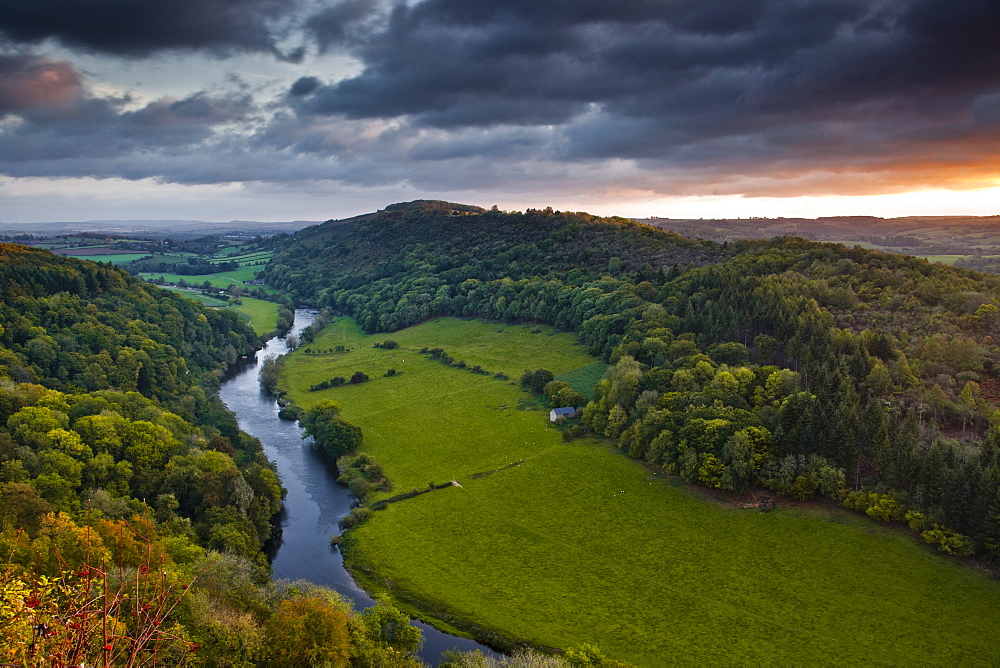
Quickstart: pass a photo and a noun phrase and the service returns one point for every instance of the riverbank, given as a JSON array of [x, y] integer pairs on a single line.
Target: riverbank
[[314, 503]]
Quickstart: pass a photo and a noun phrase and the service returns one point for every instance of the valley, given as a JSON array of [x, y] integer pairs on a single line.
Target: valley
[[577, 544]]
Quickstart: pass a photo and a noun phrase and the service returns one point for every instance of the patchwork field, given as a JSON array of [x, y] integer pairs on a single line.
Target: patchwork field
[[222, 279], [250, 264], [113, 258], [561, 544]]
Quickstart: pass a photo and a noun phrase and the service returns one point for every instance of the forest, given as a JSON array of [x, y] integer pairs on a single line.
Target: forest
[[783, 366], [133, 511]]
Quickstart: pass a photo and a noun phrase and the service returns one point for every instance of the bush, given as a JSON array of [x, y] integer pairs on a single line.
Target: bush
[[270, 369], [877, 506], [535, 381], [289, 413], [359, 377], [359, 487], [335, 435], [357, 516], [948, 541], [915, 520]]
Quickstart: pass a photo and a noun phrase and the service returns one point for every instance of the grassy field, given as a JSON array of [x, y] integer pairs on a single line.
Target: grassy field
[[571, 543], [469, 421], [254, 256], [197, 296], [584, 379], [113, 259], [220, 280], [262, 315]]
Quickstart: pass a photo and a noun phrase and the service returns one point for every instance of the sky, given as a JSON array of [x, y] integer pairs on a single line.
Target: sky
[[317, 109]]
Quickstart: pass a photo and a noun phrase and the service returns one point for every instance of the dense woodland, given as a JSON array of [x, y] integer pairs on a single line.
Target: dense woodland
[[800, 368], [132, 509]]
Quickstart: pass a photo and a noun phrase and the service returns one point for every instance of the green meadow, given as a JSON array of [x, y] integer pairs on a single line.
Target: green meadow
[[585, 378], [470, 422], [119, 258], [261, 314], [222, 279], [561, 544], [196, 296], [234, 254]]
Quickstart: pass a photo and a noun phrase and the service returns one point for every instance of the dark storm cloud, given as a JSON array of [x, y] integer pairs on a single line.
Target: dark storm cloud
[[304, 86], [440, 54], [688, 80], [344, 23], [662, 96], [57, 118], [138, 28]]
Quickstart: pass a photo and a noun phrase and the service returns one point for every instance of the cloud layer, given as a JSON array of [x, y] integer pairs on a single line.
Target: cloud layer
[[773, 97], [139, 28]]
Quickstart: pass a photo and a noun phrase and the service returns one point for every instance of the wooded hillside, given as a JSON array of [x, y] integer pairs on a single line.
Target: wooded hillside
[[803, 368], [133, 510]]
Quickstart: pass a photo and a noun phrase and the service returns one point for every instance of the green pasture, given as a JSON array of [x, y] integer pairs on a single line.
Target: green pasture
[[562, 544], [262, 315], [196, 296], [238, 249], [580, 545], [256, 256], [119, 258], [585, 378], [470, 421], [495, 346], [219, 280]]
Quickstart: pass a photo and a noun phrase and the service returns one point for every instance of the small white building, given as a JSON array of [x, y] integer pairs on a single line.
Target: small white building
[[564, 413]]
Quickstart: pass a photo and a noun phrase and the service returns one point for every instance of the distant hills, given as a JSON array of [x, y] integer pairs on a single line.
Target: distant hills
[[158, 228], [913, 235]]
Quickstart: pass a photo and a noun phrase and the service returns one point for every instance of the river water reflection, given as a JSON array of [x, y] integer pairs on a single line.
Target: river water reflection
[[315, 502]]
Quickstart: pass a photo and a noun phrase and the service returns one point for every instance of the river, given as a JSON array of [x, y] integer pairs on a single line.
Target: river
[[315, 502]]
